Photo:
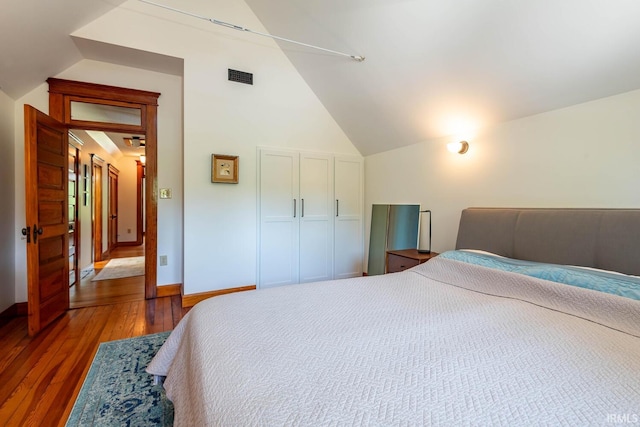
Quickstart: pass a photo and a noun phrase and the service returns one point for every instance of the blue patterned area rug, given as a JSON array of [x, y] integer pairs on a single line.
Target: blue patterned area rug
[[118, 392]]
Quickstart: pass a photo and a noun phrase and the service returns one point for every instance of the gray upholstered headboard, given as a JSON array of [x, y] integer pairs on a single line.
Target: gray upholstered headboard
[[602, 238]]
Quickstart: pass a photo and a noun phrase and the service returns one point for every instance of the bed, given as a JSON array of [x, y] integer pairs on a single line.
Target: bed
[[483, 335]]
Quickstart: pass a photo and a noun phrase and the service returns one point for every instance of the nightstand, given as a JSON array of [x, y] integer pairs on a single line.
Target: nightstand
[[405, 258]]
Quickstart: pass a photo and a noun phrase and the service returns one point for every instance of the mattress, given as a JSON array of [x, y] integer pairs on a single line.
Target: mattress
[[443, 343]]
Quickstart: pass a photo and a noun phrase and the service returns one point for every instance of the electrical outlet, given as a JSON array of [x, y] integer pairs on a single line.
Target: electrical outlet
[[163, 260]]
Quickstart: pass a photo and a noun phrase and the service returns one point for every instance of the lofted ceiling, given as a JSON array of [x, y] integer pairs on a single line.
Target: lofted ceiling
[[433, 67], [36, 42]]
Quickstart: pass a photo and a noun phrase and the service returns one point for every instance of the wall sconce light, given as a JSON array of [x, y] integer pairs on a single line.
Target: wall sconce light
[[458, 147], [143, 159]]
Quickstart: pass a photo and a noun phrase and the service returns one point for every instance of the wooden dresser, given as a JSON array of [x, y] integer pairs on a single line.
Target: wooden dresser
[[406, 258]]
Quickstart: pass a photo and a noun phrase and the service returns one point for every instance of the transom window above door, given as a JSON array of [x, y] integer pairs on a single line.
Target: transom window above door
[[93, 112]]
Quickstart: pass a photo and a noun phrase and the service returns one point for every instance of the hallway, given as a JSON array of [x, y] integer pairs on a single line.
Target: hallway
[[105, 292]]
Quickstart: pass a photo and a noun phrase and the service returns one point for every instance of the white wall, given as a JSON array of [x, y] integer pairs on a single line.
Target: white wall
[[39, 99], [127, 198], [585, 155], [169, 157], [169, 148], [223, 117], [8, 229]]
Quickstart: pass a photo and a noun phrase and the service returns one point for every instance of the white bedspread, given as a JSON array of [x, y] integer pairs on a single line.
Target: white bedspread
[[445, 343]]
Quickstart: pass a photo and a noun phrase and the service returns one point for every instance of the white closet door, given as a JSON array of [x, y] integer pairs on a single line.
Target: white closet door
[[316, 220], [279, 218], [348, 242]]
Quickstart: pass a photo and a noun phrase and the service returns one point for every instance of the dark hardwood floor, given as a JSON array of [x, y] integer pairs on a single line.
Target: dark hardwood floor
[[40, 376]]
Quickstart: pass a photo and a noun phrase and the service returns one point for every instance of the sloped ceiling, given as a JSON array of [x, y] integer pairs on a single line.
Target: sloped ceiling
[[432, 68], [436, 68], [35, 42]]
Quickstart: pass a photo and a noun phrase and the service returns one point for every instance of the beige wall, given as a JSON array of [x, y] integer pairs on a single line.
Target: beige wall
[[586, 155], [169, 148], [8, 229]]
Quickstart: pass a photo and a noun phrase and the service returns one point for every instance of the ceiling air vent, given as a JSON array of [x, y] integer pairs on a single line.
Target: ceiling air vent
[[240, 77]]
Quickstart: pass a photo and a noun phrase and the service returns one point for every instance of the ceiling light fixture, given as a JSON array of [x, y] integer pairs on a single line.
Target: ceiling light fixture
[[358, 58], [134, 141], [458, 147]]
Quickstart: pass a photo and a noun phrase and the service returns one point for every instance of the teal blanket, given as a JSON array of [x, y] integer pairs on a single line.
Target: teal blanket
[[597, 280]]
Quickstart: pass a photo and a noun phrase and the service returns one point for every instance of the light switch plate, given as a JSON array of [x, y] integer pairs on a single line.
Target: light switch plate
[[165, 193]]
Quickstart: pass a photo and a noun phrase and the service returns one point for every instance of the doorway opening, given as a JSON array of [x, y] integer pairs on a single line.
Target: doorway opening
[[108, 247], [76, 105]]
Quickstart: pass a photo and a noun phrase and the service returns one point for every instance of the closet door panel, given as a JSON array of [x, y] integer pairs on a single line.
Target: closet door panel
[[278, 186], [316, 220], [279, 219], [348, 249], [348, 243], [316, 263], [278, 261]]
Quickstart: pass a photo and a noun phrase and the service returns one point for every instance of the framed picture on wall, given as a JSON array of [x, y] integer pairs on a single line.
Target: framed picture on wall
[[224, 168]]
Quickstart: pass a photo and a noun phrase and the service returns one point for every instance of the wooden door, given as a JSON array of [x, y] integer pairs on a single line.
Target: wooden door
[[279, 218], [96, 206], [348, 217], [47, 229], [316, 220], [113, 207]]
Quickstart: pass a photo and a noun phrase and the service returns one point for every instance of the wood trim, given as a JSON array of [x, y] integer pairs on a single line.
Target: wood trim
[[75, 141], [192, 299], [60, 94], [169, 290], [56, 105], [151, 203], [108, 127], [97, 222], [98, 91], [97, 159], [112, 207], [139, 202], [16, 310]]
